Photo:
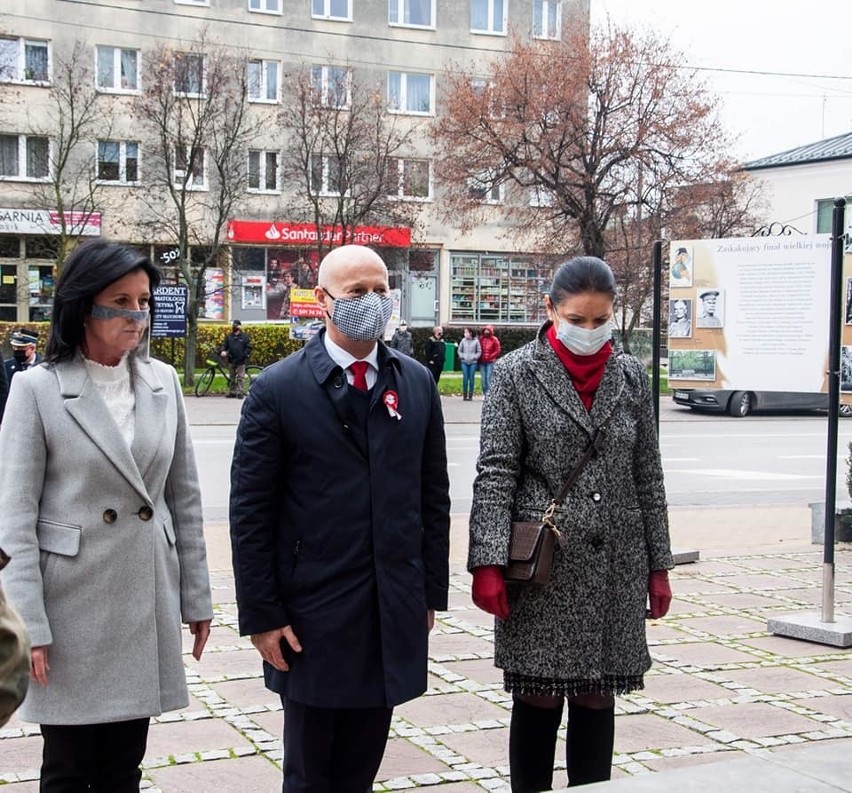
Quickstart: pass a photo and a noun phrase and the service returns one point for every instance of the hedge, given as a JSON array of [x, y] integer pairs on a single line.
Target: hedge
[[270, 342]]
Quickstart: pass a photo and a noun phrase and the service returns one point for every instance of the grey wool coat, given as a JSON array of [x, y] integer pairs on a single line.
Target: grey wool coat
[[106, 542], [588, 622]]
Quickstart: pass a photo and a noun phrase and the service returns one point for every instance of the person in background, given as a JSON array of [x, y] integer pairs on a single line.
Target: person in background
[[24, 353], [469, 352], [340, 517], [435, 352], [4, 391], [100, 511], [490, 344], [235, 350], [401, 341], [580, 636]]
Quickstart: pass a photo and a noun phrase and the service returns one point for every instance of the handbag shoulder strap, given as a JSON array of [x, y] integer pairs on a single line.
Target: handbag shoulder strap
[[594, 444]]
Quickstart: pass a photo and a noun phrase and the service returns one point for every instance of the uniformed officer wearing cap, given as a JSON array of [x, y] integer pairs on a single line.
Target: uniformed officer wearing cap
[[711, 309], [24, 353]]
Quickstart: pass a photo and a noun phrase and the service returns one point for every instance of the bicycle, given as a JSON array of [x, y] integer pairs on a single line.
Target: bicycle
[[214, 367]]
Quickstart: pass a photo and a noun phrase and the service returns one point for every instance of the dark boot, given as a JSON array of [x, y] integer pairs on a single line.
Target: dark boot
[[590, 738], [532, 746]]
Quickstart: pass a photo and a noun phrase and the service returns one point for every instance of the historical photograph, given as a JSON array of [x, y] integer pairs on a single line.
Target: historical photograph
[[711, 308], [692, 365], [849, 301], [680, 319], [680, 273], [846, 369]]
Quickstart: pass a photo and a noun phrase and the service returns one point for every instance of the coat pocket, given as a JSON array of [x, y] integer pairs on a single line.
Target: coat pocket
[[61, 538]]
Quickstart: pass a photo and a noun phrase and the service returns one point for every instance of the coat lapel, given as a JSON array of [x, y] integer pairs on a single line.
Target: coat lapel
[[610, 390], [151, 402], [551, 374], [85, 405]]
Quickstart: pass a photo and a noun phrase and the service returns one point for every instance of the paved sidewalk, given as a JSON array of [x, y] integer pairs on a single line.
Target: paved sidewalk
[[770, 714], [721, 688]]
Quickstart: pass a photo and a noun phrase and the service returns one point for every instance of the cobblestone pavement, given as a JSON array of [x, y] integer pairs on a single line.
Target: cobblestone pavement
[[721, 687]]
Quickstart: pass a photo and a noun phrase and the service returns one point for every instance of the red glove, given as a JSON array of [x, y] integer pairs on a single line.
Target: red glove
[[489, 591], [659, 594]]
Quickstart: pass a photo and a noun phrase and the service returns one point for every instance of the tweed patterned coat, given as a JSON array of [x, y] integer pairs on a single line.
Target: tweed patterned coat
[[588, 622]]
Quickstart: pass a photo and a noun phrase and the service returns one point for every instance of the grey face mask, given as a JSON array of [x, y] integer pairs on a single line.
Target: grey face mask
[[108, 312], [361, 318]]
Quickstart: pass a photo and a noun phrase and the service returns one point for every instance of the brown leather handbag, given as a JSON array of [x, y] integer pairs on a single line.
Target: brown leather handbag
[[532, 544]]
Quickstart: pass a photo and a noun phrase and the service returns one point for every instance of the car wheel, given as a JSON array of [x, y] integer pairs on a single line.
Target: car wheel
[[846, 411], [740, 404]]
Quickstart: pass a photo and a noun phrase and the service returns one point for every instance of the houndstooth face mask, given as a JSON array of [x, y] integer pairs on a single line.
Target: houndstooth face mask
[[361, 318]]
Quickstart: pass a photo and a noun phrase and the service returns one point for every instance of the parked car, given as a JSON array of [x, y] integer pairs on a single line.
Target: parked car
[[741, 403]]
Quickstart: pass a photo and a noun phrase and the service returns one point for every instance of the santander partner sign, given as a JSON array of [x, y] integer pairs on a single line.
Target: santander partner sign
[[268, 232]]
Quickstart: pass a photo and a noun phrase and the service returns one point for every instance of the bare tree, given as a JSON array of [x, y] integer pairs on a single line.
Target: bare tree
[[346, 160], [194, 109], [74, 119], [589, 123]]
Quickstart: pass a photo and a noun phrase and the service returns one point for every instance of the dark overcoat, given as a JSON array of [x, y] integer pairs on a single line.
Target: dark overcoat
[[339, 532], [589, 620]]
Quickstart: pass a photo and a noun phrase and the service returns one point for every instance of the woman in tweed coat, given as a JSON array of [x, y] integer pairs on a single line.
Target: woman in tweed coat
[[582, 635]]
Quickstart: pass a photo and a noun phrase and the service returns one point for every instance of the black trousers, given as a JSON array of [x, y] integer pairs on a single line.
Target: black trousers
[[333, 750], [93, 757]]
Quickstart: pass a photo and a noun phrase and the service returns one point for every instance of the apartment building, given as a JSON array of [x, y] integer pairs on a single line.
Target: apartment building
[[400, 46]]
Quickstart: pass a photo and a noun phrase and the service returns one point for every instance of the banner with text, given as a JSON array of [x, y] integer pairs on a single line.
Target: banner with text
[[277, 233], [750, 314]]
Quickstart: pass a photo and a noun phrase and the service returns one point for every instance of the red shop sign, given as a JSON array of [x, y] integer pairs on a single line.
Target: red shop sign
[[269, 232]]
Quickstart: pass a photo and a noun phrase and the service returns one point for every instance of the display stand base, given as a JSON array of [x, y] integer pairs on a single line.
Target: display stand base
[[809, 626], [682, 556]]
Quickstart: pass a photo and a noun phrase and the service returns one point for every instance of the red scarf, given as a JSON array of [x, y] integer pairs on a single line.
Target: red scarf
[[585, 371]]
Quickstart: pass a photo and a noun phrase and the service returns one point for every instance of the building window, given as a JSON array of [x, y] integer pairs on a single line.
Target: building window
[[189, 74], [263, 81], [541, 197], [192, 2], [487, 188], [24, 60], [326, 176], [488, 16], [263, 171], [331, 86], [825, 212], [409, 179], [265, 6], [412, 13], [24, 157], [190, 167], [547, 19], [118, 161], [410, 93], [488, 288], [340, 10], [117, 69]]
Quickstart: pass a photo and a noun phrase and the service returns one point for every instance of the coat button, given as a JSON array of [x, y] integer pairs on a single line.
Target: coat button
[[596, 497], [146, 513], [110, 516], [597, 542]]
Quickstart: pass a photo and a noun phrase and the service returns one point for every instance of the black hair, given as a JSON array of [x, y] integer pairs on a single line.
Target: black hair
[[91, 268], [582, 274]]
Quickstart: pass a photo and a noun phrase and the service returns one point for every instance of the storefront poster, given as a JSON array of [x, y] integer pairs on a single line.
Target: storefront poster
[[214, 294], [43, 221], [760, 319], [303, 303]]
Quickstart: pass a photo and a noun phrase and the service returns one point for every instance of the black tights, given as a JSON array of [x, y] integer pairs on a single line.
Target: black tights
[[532, 740]]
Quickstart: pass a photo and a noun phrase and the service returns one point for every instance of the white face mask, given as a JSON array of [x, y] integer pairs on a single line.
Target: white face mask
[[582, 341]]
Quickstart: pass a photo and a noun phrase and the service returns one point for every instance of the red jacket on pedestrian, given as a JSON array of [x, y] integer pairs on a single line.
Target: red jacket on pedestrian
[[490, 345]]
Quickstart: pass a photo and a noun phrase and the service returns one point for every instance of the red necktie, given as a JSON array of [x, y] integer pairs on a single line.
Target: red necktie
[[359, 372]]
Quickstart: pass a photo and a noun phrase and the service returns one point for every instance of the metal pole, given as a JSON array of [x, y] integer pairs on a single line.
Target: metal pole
[[834, 314], [658, 307]]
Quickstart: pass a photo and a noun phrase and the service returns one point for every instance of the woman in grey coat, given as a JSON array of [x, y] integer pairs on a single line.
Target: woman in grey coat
[[100, 510], [469, 352], [581, 636]]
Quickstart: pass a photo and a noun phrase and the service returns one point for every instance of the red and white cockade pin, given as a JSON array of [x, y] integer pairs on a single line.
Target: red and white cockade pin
[[391, 401]]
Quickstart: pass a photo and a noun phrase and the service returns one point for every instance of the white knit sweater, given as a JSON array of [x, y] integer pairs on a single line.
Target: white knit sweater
[[113, 384]]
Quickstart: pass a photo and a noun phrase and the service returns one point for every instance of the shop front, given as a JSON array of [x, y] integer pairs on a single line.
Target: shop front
[[270, 260], [29, 248]]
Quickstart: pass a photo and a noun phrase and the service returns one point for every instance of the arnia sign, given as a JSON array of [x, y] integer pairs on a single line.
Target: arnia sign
[[44, 221], [278, 233]]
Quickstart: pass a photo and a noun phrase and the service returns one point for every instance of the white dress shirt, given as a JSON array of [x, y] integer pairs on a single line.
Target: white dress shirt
[[343, 358]]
